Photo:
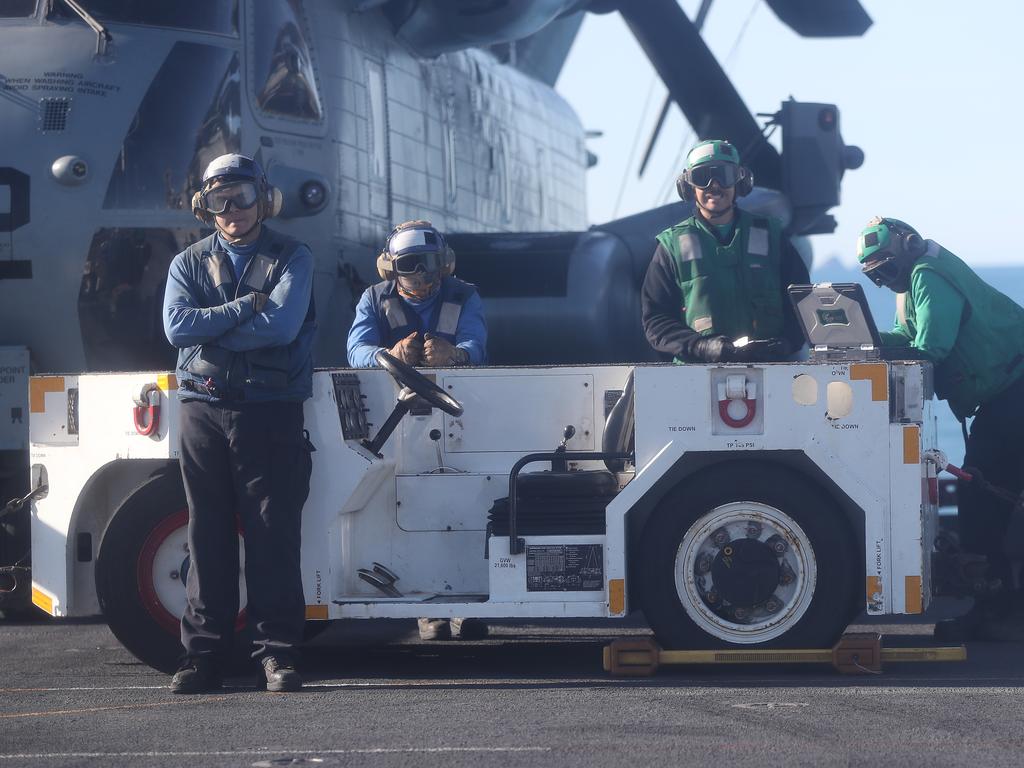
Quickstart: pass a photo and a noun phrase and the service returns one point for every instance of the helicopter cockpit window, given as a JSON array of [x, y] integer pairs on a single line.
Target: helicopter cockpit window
[[283, 63], [12, 9], [190, 115], [220, 16]]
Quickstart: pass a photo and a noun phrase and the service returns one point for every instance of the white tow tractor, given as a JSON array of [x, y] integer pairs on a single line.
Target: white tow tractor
[[737, 505]]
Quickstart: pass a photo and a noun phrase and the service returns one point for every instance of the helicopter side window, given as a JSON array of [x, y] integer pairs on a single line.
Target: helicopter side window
[[190, 115], [220, 16], [12, 9], [283, 63], [121, 297]]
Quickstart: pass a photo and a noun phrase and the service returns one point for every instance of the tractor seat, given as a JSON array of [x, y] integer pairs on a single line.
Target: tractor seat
[[560, 485], [618, 438]]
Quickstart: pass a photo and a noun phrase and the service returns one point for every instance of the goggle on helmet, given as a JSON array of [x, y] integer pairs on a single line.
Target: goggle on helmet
[[711, 161], [415, 248], [243, 185]]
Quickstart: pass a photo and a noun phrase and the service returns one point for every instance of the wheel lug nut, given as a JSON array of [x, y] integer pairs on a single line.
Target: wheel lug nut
[[740, 613], [778, 545], [713, 597], [754, 530], [704, 564], [786, 577], [720, 537], [772, 605]]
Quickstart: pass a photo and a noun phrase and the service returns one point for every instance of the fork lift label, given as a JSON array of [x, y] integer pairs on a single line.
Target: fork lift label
[[564, 568]]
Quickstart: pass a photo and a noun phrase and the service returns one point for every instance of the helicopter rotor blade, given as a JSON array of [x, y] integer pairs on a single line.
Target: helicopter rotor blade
[[702, 14], [699, 85], [815, 18]]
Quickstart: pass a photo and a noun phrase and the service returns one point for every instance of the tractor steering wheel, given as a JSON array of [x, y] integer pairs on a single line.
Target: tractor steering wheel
[[409, 377]]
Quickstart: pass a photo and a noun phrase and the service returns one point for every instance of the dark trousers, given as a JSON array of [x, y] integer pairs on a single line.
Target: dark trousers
[[245, 467], [996, 448]]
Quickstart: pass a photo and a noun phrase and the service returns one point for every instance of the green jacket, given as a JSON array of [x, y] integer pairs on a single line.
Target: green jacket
[[732, 289], [973, 333]]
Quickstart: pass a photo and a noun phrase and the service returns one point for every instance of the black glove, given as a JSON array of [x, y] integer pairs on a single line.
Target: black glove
[[714, 349]]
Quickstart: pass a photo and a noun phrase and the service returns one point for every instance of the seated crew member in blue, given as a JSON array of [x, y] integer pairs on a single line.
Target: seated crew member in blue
[[420, 312], [239, 308], [721, 274], [422, 315]]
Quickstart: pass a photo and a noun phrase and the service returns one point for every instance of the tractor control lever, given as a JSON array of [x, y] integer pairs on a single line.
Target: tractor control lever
[[435, 435], [560, 464]]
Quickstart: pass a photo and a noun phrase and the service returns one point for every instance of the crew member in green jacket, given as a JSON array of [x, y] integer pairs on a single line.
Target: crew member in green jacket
[[974, 335], [721, 275]]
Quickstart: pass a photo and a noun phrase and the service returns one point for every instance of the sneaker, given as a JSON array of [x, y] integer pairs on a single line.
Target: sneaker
[[469, 629], [434, 629], [281, 674], [197, 674]]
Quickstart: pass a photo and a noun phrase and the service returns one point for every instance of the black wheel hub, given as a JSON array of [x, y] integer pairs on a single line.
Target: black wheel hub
[[746, 572]]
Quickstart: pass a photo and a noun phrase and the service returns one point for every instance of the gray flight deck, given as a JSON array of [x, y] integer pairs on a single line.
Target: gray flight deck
[[531, 695]]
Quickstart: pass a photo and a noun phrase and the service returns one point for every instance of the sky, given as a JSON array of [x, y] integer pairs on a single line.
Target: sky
[[931, 93]]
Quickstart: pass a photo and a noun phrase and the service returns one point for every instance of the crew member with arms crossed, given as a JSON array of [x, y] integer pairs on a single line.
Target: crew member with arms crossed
[[721, 275], [239, 308], [974, 336], [424, 316]]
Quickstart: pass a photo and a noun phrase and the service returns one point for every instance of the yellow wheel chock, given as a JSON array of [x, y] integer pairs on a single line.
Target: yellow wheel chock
[[859, 653]]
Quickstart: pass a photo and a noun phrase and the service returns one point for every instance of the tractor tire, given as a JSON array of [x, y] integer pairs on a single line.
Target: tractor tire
[[745, 555], [140, 574]]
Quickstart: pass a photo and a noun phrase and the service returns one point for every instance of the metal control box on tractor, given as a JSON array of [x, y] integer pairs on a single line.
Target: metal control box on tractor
[[737, 505]]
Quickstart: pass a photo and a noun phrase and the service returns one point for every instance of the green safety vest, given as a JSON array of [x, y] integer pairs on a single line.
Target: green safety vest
[[988, 354], [733, 289]]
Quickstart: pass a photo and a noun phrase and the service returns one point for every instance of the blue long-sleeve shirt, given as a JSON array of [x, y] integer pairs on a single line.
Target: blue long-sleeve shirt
[[366, 336], [235, 325]]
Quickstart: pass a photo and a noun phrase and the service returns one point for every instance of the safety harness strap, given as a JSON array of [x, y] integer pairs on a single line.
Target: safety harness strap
[[448, 319], [395, 313]]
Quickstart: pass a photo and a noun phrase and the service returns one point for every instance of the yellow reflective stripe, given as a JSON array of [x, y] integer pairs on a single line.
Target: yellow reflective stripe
[[616, 596], [912, 587], [42, 600], [912, 445], [38, 386], [877, 374]]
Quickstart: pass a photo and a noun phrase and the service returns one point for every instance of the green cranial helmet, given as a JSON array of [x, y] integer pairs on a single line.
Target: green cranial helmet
[[712, 151], [887, 249], [715, 160]]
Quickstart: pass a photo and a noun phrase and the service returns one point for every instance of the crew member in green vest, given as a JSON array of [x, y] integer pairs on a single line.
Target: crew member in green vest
[[721, 275], [974, 336]]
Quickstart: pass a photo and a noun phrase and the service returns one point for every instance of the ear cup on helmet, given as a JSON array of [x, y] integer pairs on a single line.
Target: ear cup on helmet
[[197, 208], [745, 185], [449, 261], [275, 202], [683, 187], [913, 244], [384, 266]]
